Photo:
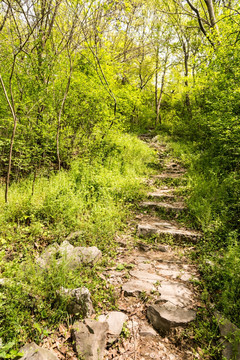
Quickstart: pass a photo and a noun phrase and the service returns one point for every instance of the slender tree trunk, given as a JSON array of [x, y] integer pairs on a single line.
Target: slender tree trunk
[[158, 99], [186, 57], [156, 85], [60, 116], [15, 120], [158, 118]]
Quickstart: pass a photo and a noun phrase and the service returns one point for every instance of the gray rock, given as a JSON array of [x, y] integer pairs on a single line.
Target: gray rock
[[176, 293], [72, 256], [163, 248], [80, 303], [89, 339], [147, 330], [230, 334], [34, 352], [167, 316], [136, 287], [115, 320], [146, 276], [47, 255], [89, 254]]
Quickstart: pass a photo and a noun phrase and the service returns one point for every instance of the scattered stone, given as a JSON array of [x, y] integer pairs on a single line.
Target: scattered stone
[[80, 303], [34, 352], [163, 248], [230, 334], [89, 339], [147, 330], [136, 287], [146, 276], [167, 316], [176, 293], [143, 246], [115, 320], [73, 256]]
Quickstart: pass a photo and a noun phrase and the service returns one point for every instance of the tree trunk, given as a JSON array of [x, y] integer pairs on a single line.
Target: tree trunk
[[186, 57], [15, 120], [60, 115]]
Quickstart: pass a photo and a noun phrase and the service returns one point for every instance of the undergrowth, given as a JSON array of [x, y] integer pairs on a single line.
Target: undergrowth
[[90, 198]]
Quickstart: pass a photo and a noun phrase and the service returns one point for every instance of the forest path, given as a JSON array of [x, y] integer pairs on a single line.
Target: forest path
[[154, 277]]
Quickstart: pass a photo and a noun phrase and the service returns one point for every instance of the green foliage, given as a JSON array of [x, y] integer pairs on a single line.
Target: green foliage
[[88, 198]]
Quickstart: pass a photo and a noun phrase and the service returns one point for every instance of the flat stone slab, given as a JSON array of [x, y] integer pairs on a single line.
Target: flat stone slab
[[144, 266], [115, 320], [34, 352], [162, 228], [89, 339], [167, 316], [146, 276], [176, 293], [172, 270], [136, 287], [174, 207]]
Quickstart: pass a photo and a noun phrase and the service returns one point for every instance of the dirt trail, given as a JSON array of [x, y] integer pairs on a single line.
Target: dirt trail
[[153, 281]]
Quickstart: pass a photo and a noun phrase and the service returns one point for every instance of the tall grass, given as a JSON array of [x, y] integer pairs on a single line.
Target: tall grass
[[214, 203]]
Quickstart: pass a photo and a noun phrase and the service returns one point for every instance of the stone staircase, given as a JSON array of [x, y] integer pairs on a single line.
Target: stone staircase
[[155, 286]]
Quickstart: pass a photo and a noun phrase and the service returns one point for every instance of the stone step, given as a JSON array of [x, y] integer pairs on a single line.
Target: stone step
[[168, 175], [174, 167], [165, 229], [166, 207], [162, 193]]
